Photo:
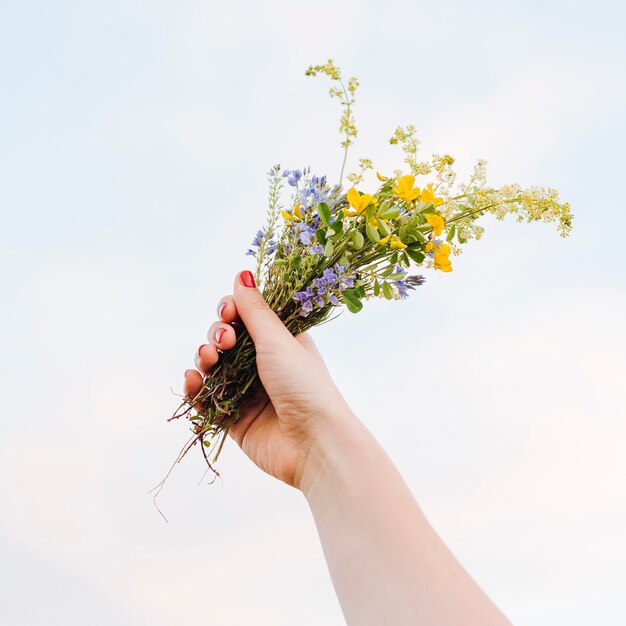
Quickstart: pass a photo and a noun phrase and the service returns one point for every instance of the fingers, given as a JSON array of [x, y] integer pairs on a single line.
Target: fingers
[[221, 335], [206, 357], [227, 310], [193, 383], [262, 323]]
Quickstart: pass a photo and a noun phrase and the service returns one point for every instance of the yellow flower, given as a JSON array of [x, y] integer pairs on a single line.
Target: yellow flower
[[428, 196], [442, 262], [436, 221], [404, 188], [441, 254], [297, 214], [384, 239], [357, 201], [381, 178], [396, 243]]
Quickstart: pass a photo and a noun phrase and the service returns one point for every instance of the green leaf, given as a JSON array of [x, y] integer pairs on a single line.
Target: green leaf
[[372, 233], [337, 226], [357, 240], [376, 288], [297, 262], [324, 212], [383, 228], [387, 272], [387, 291], [360, 291], [329, 249], [425, 207], [352, 301], [451, 232], [320, 235], [416, 254], [389, 212]]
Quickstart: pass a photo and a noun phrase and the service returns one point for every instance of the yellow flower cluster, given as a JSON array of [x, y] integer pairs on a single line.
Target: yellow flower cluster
[[296, 216], [441, 252], [405, 189]]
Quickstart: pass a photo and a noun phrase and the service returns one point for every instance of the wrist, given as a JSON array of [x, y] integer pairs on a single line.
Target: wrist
[[334, 439]]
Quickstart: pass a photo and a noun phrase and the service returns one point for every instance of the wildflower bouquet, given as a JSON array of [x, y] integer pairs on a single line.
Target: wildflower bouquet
[[324, 248]]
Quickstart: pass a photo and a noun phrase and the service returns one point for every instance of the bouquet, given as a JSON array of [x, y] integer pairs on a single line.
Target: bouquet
[[323, 248]]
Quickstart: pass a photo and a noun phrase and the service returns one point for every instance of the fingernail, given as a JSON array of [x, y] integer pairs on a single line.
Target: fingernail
[[247, 279], [196, 359], [221, 309], [219, 333], [187, 372]]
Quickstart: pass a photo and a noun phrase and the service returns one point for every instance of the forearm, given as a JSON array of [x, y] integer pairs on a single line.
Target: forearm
[[387, 564]]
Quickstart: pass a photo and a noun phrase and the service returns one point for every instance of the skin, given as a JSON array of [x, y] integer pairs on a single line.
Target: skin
[[387, 563]]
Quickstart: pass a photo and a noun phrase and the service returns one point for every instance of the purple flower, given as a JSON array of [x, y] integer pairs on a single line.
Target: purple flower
[[344, 279], [329, 275], [316, 189], [293, 176], [306, 233], [402, 288], [320, 285], [410, 282], [257, 240], [414, 281], [303, 296]]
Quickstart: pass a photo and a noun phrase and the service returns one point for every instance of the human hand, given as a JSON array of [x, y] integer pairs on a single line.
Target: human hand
[[298, 404]]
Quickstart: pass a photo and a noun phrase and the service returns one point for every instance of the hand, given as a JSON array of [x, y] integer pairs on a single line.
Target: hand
[[298, 403]]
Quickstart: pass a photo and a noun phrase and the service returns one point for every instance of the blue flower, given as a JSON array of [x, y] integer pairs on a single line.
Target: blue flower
[[257, 240], [344, 279], [402, 288], [293, 176], [306, 233], [302, 296], [320, 285], [329, 276]]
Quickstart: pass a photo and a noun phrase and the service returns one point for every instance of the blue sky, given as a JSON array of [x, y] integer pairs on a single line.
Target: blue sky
[[134, 140]]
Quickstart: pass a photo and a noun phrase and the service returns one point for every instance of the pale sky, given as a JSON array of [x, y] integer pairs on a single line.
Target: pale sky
[[134, 140]]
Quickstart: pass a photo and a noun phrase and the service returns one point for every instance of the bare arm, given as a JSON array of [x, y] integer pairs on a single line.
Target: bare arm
[[388, 565]]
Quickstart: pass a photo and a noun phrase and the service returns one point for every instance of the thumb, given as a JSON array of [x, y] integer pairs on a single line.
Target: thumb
[[262, 323]]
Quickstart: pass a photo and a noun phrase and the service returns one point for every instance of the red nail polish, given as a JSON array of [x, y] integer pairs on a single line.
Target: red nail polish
[[221, 309], [247, 279], [219, 333]]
